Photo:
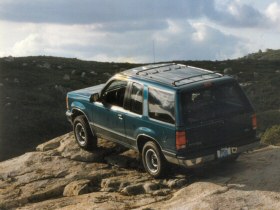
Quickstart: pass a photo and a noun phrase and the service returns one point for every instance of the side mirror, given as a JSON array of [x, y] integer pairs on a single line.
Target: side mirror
[[94, 97]]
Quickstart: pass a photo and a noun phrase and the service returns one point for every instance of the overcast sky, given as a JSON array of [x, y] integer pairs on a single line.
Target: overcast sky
[[138, 30]]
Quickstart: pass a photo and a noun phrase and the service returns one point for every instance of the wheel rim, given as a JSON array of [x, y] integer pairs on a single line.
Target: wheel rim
[[80, 134], [152, 160]]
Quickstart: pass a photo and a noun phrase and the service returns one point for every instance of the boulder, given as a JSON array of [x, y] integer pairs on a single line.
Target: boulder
[[150, 187], [78, 187], [45, 65], [176, 183], [133, 189], [110, 185], [66, 77], [107, 74], [9, 58], [49, 145], [93, 73], [8, 104], [228, 71]]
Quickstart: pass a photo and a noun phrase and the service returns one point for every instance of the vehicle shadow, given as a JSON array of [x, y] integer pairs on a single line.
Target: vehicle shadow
[[257, 170], [250, 172]]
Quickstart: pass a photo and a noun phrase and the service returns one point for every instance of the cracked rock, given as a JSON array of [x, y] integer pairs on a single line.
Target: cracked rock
[[78, 187], [133, 189]]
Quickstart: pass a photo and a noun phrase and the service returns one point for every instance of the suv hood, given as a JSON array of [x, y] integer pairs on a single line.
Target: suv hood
[[87, 92]]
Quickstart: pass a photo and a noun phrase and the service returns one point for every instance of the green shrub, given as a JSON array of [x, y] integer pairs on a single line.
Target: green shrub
[[272, 135]]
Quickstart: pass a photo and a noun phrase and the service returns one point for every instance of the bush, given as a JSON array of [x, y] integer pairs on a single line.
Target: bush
[[272, 135]]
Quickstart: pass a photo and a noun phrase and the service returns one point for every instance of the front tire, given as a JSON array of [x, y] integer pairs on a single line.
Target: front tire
[[153, 160], [83, 134]]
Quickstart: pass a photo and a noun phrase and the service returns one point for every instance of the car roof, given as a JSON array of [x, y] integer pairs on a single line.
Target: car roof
[[171, 74]]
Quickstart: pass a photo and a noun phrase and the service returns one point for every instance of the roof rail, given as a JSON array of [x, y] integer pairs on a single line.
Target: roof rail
[[155, 67], [193, 67], [201, 75]]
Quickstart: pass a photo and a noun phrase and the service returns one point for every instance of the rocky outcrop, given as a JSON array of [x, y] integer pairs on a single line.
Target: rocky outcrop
[[111, 176], [60, 175]]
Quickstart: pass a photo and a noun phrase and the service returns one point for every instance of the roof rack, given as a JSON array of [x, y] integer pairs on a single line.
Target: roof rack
[[158, 68], [155, 67], [201, 75]]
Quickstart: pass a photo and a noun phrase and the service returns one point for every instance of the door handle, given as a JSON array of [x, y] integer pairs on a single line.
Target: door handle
[[120, 116]]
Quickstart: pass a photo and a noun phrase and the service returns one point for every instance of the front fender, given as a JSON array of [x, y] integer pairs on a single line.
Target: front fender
[[80, 107], [77, 105]]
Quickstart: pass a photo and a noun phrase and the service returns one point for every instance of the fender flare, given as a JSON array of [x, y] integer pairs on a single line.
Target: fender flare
[[148, 138]]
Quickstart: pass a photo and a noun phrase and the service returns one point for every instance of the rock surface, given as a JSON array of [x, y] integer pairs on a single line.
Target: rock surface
[[59, 175]]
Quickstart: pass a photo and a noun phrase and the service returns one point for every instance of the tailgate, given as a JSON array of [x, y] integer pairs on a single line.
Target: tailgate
[[233, 130], [217, 116]]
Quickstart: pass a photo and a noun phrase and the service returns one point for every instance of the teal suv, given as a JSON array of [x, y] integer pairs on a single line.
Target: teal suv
[[170, 113]]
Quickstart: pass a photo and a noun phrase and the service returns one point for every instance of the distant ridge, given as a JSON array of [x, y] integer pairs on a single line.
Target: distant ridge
[[269, 54]]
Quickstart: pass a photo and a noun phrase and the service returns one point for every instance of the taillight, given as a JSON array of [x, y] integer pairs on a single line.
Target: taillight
[[181, 139], [67, 106], [254, 121]]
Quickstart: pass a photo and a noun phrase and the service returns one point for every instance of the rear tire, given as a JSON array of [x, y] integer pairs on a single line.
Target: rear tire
[[153, 160], [83, 134]]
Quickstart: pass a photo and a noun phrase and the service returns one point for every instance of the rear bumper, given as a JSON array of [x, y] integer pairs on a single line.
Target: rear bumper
[[193, 162]]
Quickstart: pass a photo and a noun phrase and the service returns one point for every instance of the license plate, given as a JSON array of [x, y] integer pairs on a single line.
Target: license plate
[[224, 152]]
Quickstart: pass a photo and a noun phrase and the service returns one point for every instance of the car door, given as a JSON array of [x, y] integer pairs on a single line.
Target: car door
[[108, 112], [134, 116]]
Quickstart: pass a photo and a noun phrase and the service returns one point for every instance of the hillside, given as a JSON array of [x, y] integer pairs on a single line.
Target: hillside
[[32, 97], [33, 89], [269, 54], [59, 175]]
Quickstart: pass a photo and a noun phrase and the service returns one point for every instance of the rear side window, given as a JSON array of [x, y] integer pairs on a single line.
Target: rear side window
[[214, 102], [136, 103], [161, 105]]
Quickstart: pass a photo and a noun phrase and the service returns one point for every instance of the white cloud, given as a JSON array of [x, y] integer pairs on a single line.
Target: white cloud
[[238, 14], [179, 40], [196, 40], [200, 34], [126, 31], [273, 12], [20, 39], [32, 44]]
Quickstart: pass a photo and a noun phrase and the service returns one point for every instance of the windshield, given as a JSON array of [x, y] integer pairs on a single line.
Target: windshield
[[213, 103]]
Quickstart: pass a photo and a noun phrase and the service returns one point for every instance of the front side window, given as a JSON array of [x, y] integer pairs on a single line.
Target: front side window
[[113, 94], [161, 105], [136, 103]]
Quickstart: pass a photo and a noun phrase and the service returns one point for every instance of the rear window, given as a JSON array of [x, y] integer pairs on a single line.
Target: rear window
[[213, 102]]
